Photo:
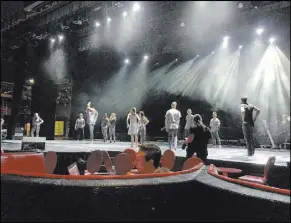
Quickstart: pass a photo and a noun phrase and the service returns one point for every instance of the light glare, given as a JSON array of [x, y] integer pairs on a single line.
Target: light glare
[[240, 46], [124, 14], [53, 40], [31, 81], [272, 40], [146, 57], [109, 19], [260, 31], [61, 37], [126, 61], [97, 24], [136, 7]]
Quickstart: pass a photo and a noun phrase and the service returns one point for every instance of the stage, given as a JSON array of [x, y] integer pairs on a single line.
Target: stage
[[223, 154]]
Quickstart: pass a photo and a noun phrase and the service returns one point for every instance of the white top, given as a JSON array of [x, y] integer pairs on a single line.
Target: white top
[[133, 119], [92, 117], [172, 119], [36, 121], [189, 121], [214, 124]]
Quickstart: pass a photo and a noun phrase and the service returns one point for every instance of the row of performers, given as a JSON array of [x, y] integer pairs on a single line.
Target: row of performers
[[136, 124], [195, 127]]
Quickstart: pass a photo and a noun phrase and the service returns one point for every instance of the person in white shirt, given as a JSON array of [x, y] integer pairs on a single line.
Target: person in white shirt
[[214, 128], [172, 121], [92, 116], [132, 122], [189, 122]]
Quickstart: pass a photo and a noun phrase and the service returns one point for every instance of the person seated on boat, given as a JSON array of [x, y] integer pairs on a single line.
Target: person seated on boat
[[149, 159]]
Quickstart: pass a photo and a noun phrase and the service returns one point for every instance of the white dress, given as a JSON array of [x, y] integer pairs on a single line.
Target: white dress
[[133, 124]]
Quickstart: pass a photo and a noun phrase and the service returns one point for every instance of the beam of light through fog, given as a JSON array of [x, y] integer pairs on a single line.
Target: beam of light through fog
[[194, 77], [111, 90], [132, 89], [225, 89], [269, 87], [209, 80], [220, 78], [55, 66], [251, 55], [155, 78], [172, 79], [120, 94], [213, 78]]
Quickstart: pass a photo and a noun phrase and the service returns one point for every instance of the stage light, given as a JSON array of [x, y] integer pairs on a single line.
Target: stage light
[[61, 37], [272, 40], [146, 57], [182, 24], [97, 24], [225, 38], [240, 5], [136, 7], [197, 56], [53, 40], [109, 19], [176, 59], [124, 14], [31, 81], [260, 31], [213, 52], [240, 46], [126, 61]]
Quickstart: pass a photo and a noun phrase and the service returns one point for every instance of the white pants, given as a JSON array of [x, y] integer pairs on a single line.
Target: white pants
[[173, 138]]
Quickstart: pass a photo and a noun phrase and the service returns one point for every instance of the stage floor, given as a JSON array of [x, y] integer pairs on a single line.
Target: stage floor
[[232, 154]]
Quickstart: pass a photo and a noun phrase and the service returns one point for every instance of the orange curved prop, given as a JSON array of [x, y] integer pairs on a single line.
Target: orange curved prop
[[105, 156], [122, 164], [107, 177], [212, 170], [132, 154], [191, 162], [108, 165], [23, 163], [140, 161], [50, 161], [94, 162], [168, 159]]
